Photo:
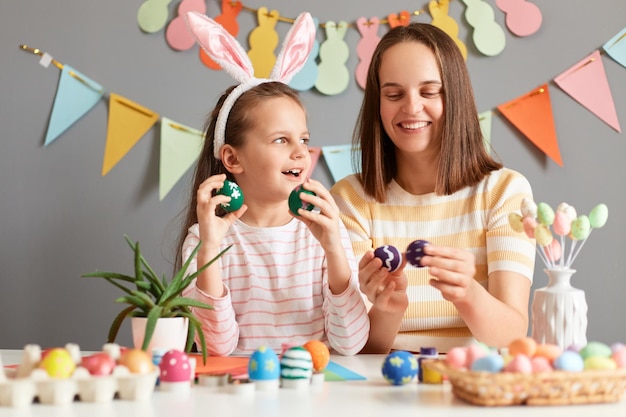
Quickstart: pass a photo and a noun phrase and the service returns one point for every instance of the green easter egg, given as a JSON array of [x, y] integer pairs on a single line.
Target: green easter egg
[[515, 220], [295, 202], [233, 191], [545, 214], [595, 349], [543, 235], [598, 216], [580, 228]]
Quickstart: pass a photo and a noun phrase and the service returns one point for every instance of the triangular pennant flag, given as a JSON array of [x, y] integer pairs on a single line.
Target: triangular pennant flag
[[616, 47], [128, 122], [315, 156], [532, 115], [485, 126], [76, 95], [339, 160], [586, 83], [180, 148]]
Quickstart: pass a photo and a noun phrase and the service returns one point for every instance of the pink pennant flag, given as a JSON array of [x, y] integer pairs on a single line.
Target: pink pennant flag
[[586, 83]]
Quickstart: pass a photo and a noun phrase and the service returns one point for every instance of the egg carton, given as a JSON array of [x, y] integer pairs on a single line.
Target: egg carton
[[27, 383]]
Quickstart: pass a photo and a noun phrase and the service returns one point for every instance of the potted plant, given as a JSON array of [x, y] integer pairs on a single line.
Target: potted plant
[[153, 298]]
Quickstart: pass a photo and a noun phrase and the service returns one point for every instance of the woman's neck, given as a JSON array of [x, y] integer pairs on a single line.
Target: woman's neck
[[417, 174]]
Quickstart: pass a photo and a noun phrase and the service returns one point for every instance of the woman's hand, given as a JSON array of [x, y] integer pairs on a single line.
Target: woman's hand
[[453, 270], [385, 290]]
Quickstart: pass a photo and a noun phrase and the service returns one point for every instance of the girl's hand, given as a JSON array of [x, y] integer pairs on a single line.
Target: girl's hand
[[385, 290], [212, 227], [453, 269], [324, 225]]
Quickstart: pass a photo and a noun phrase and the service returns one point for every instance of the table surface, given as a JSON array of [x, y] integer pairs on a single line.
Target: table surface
[[370, 397]]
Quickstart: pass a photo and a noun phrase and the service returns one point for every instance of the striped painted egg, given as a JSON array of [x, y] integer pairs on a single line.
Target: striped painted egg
[[296, 363]]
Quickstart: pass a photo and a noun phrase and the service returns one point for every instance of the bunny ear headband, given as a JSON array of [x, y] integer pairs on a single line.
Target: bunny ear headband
[[226, 51]]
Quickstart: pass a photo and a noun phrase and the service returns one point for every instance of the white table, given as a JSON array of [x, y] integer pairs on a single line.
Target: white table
[[371, 397]]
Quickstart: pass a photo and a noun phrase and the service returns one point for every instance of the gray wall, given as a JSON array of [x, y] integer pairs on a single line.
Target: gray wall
[[60, 218]]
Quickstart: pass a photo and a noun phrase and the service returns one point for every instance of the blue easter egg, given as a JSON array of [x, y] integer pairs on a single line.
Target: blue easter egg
[[490, 363], [264, 365], [390, 255], [415, 252], [569, 361], [296, 363], [400, 367]]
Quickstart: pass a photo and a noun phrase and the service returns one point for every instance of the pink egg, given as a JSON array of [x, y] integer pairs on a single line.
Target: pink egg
[[540, 364], [553, 251], [474, 351], [98, 364], [519, 363], [620, 358], [562, 224], [457, 357], [529, 226], [175, 367]]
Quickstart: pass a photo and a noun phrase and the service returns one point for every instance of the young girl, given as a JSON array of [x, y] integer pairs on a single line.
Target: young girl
[[286, 279], [427, 175]]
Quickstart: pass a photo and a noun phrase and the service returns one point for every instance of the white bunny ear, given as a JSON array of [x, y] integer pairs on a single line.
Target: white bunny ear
[[295, 50], [220, 46]]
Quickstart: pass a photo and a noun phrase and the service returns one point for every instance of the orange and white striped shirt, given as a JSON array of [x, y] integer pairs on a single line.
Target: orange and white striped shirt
[[474, 218], [277, 293]]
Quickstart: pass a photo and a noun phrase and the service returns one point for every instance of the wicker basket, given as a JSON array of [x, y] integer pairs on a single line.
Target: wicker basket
[[546, 388]]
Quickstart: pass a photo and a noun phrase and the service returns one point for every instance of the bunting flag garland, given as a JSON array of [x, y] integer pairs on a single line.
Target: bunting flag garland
[[76, 95], [586, 83], [180, 148], [177, 35], [326, 70], [128, 122], [616, 47], [532, 115]]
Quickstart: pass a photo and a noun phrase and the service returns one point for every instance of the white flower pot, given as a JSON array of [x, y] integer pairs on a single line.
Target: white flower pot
[[169, 333]]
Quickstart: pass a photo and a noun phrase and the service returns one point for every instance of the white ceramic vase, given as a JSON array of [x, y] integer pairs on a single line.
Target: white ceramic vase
[[559, 311], [169, 333]]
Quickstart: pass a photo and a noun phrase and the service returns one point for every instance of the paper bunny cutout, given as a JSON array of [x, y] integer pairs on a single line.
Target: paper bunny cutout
[[224, 49]]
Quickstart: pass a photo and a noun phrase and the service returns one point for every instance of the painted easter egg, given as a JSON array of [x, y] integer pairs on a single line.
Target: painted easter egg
[[296, 203], [415, 252], [390, 255], [175, 367], [581, 227], [562, 224], [545, 214], [232, 190], [515, 220], [528, 208], [58, 363], [98, 364], [543, 235], [490, 363], [320, 355], [568, 210], [137, 361], [296, 363], [598, 215], [569, 361], [400, 367], [264, 365]]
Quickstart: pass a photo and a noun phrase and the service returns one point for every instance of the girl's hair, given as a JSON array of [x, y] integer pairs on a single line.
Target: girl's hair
[[464, 160], [240, 121]]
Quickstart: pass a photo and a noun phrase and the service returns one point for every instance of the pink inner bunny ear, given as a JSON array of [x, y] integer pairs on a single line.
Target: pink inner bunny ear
[[220, 46], [296, 49]]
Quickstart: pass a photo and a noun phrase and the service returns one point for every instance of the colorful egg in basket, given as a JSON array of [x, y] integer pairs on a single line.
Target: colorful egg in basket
[[591, 375]]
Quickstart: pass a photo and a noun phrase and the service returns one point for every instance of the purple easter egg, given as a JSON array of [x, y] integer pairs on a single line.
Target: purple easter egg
[[390, 255], [415, 252]]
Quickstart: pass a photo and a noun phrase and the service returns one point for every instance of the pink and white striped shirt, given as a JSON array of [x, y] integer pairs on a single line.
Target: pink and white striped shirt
[[277, 293]]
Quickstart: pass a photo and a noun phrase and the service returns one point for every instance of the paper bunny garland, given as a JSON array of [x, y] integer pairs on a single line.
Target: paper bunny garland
[[230, 55]]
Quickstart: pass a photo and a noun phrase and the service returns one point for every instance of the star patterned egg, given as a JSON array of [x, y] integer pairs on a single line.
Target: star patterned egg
[[295, 202], [264, 365], [232, 190], [296, 363], [400, 367]]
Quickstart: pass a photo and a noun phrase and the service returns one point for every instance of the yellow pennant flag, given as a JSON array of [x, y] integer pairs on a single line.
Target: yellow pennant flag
[[128, 122]]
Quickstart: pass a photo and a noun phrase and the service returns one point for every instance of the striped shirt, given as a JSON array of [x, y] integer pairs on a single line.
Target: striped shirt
[[474, 218], [277, 293]]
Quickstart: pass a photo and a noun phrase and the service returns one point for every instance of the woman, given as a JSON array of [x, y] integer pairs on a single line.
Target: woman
[[426, 174]]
